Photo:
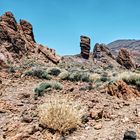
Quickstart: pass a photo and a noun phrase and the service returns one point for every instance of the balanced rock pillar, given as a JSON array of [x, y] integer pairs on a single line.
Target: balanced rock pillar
[[85, 46]]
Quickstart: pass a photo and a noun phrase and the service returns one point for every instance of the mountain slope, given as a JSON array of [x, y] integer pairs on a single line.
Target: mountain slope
[[132, 45]]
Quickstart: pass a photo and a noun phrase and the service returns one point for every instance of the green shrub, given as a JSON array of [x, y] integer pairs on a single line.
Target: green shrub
[[54, 71], [138, 83], [29, 73], [64, 75], [11, 69], [138, 69], [114, 74], [38, 73], [79, 76], [104, 77], [43, 86], [56, 85]]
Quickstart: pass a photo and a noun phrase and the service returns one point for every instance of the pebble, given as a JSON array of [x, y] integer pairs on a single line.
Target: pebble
[[98, 126]]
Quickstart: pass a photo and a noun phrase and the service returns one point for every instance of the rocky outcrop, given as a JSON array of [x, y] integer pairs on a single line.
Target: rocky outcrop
[[49, 53], [121, 90], [17, 40], [101, 50], [130, 44], [124, 58], [85, 46]]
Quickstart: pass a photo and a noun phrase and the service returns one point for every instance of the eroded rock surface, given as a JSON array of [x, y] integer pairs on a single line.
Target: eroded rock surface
[[85, 46], [124, 58], [17, 40], [121, 90], [101, 50]]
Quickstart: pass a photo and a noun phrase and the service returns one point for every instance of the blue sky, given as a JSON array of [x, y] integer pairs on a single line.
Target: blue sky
[[59, 23]]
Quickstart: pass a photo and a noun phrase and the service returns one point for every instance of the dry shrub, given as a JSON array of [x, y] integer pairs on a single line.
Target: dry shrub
[[61, 114], [64, 75], [130, 78], [94, 77]]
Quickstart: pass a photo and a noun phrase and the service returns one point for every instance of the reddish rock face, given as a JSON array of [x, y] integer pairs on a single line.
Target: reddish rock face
[[121, 90], [17, 40], [85, 46], [101, 50], [125, 59]]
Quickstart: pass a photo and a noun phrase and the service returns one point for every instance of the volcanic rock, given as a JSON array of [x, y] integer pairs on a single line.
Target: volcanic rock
[[101, 50], [17, 41], [130, 135], [124, 58], [130, 44], [85, 46], [121, 90]]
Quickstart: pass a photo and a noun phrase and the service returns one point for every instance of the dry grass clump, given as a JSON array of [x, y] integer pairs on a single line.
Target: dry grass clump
[[94, 77], [130, 78], [61, 114], [64, 75]]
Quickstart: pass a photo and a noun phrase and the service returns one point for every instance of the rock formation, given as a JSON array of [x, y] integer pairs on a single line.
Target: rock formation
[[101, 50], [121, 90], [85, 47], [17, 40], [125, 59]]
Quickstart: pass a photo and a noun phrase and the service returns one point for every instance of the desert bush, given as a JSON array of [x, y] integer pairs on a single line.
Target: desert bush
[[79, 76], [104, 77], [28, 63], [64, 75], [130, 78], [43, 86], [61, 114], [94, 77], [114, 74], [54, 71], [56, 85], [138, 69], [11, 69], [138, 83], [85, 77], [38, 73]]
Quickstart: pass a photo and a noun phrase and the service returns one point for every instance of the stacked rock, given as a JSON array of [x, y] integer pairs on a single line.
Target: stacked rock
[[85, 46]]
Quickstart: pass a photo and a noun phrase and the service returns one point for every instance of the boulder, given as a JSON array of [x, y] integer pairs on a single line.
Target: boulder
[[121, 90], [124, 58], [130, 135]]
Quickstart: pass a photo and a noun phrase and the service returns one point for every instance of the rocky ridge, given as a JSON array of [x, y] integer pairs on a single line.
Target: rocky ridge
[[17, 40]]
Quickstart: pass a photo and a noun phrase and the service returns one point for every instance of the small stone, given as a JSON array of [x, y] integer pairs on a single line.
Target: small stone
[[84, 119], [2, 111], [96, 113], [87, 127], [62, 138], [130, 135], [137, 112], [98, 126], [125, 119]]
